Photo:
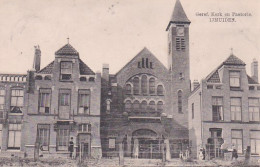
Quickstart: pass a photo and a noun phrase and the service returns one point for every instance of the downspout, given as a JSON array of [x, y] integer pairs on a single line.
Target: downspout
[[201, 121]]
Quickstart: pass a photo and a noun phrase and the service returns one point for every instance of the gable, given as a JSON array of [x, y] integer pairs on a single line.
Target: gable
[[144, 62]]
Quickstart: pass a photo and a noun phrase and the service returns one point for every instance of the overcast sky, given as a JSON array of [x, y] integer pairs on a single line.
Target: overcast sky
[[114, 31]]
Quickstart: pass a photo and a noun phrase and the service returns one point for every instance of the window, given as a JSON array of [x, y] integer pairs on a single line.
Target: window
[[64, 97], [84, 101], [136, 85], [84, 128], [180, 101], [192, 110], [16, 100], [144, 84], [65, 70], [255, 141], [143, 105], [44, 136], [254, 109], [160, 106], [217, 109], [180, 44], [44, 101], [136, 105], [234, 78], [237, 140], [152, 106], [112, 143], [128, 89], [1, 128], [159, 90], [14, 136], [151, 85], [2, 102], [236, 109], [63, 137], [216, 132], [128, 106]]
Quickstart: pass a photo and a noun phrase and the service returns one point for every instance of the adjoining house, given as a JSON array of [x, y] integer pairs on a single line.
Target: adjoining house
[[13, 93], [225, 108], [145, 105], [64, 103]]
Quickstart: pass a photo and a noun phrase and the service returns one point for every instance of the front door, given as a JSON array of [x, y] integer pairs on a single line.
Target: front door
[[84, 145], [149, 149]]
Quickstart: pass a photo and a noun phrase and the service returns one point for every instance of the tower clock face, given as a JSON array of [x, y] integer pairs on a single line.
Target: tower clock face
[[180, 31]]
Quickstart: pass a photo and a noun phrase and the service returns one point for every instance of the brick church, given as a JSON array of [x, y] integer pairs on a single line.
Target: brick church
[[145, 104]]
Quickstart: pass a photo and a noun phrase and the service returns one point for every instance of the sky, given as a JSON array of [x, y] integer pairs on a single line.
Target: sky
[[114, 31]]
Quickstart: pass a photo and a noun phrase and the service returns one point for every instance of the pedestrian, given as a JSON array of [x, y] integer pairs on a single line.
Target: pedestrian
[[71, 147], [181, 155], [40, 151], [203, 152], [247, 155], [234, 154]]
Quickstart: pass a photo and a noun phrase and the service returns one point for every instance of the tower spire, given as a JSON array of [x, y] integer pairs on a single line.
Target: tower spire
[[178, 15]]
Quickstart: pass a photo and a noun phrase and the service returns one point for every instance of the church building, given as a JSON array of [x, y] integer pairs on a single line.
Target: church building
[[145, 104]]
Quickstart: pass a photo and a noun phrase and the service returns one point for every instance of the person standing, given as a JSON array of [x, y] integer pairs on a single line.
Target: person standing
[[71, 146]]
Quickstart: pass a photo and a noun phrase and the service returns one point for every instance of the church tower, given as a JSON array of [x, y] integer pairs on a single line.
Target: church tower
[[178, 59]]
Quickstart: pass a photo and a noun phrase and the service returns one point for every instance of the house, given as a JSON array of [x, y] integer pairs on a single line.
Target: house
[[225, 108], [63, 105]]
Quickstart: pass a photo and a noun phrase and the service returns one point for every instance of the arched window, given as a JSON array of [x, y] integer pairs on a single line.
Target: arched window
[[91, 79], [128, 106], [47, 77], [160, 106], [38, 77], [83, 79], [151, 85], [136, 105], [143, 105], [180, 101], [136, 85], [159, 90], [144, 84], [128, 88], [152, 106]]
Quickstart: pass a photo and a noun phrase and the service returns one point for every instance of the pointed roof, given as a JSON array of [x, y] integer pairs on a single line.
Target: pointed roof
[[251, 80], [84, 69], [178, 15], [233, 60], [47, 69], [67, 50]]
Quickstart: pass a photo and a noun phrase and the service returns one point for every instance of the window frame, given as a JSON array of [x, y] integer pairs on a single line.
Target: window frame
[[255, 139], [235, 120], [58, 136], [66, 73], [16, 97], [15, 131], [44, 91], [235, 138], [87, 93], [221, 113], [48, 135], [254, 107], [234, 77]]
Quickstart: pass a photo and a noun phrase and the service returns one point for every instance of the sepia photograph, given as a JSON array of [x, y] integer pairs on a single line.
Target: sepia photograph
[[113, 83]]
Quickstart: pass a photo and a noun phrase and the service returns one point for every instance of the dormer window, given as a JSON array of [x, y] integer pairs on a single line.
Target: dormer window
[[234, 79], [65, 70]]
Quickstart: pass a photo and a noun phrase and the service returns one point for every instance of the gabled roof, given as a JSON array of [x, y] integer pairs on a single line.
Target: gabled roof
[[214, 78], [233, 60], [67, 50], [251, 80], [47, 69], [84, 69]]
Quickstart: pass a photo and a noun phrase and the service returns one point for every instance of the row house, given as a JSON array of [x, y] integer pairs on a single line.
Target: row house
[[225, 108]]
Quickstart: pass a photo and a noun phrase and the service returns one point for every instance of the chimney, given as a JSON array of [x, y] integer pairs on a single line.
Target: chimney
[[105, 72], [37, 58], [254, 70], [195, 84]]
